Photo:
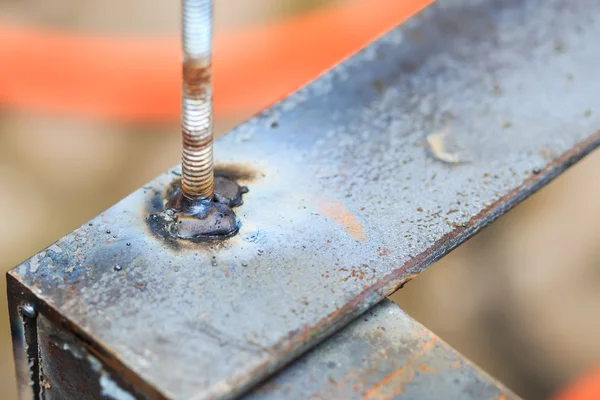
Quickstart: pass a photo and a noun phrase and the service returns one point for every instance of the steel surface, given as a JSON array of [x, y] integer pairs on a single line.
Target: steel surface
[[357, 183], [70, 372], [384, 354]]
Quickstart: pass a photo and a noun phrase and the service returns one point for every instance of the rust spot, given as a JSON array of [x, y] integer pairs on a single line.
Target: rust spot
[[197, 78], [382, 251], [356, 273], [401, 284], [426, 369], [545, 154], [338, 213], [393, 384], [193, 142]]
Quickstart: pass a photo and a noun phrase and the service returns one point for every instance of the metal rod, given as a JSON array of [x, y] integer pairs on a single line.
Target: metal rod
[[196, 102]]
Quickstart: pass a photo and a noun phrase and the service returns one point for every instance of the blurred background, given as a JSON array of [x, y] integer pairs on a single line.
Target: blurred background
[[521, 299]]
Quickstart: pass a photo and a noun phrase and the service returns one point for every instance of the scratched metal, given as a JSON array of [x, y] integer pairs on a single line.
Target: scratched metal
[[384, 354], [357, 183]]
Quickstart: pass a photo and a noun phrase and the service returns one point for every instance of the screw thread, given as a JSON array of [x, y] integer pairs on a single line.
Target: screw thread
[[196, 103]]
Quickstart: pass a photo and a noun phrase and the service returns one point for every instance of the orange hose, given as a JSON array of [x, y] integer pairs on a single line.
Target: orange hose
[[585, 388], [138, 79]]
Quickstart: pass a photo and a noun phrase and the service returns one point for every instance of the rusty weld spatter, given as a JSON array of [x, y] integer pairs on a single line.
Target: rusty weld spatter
[[196, 104]]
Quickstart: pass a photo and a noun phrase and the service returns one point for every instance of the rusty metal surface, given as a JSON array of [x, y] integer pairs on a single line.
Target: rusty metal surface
[[357, 183], [24, 339], [384, 354], [68, 371]]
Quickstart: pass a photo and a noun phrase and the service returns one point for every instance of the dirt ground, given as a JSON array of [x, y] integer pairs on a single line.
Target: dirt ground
[[519, 299]]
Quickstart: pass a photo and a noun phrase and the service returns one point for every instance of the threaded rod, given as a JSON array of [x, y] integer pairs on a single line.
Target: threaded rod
[[196, 101]]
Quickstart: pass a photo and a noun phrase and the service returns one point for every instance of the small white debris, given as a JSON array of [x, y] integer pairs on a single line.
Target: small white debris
[[55, 249], [441, 147], [34, 263]]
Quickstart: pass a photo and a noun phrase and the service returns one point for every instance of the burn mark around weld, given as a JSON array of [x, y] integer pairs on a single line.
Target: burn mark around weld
[[237, 172], [175, 217]]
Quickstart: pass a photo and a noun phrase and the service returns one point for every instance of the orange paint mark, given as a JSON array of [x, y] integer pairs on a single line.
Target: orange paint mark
[[382, 252], [456, 365], [502, 397], [429, 345], [338, 213], [427, 370]]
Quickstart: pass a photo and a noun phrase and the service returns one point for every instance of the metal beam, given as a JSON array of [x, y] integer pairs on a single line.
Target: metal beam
[[357, 183], [384, 354]]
